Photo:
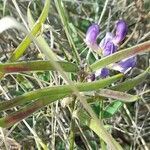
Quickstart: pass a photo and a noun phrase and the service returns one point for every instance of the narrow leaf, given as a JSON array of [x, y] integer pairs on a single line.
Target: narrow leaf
[[140, 48], [112, 109], [36, 66], [118, 95], [27, 40], [57, 90], [40, 41], [92, 124], [26, 111], [131, 83]]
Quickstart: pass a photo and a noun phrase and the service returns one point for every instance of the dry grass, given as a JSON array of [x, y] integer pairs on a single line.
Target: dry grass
[[49, 127]]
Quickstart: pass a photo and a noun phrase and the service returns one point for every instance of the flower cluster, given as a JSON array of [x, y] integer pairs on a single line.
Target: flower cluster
[[109, 45]]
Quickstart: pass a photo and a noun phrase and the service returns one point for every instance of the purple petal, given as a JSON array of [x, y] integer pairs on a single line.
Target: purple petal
[[125, 64], [108, 37], [121, 31], [92, 34], [107, 45], [103, 73], [110, 48]]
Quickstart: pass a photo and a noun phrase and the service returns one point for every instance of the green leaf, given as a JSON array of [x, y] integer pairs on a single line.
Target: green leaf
[[124, 97], [36, 66], [96, 107], [27, 40], [85, 119], [40, 41], [58, 90], [131, 83], [24, 112], [111, 109], [140, 48]]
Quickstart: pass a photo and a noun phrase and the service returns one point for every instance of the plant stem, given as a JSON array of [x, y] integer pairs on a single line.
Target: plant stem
[[72, 126], [64, 19]]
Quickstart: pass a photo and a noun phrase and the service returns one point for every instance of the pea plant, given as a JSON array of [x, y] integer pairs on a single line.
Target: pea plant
[[92, 90]]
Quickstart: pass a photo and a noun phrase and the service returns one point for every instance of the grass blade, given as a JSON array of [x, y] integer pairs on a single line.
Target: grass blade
[[65, 21]]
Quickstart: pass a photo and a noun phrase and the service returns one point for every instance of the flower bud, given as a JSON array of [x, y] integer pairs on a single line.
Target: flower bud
[[91, 35], [125, 64], [121, 31]]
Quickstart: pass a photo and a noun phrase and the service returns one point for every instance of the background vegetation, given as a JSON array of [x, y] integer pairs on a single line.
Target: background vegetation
[[58, 36]]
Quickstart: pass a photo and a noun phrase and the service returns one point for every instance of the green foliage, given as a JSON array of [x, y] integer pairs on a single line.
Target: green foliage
[[52, 63], [111, 109]]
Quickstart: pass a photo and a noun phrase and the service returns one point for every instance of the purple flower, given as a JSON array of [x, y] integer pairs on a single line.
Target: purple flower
[[121, 32], [103, 73], [125, 64], [108, 47], [108, 37], [91, 36]]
